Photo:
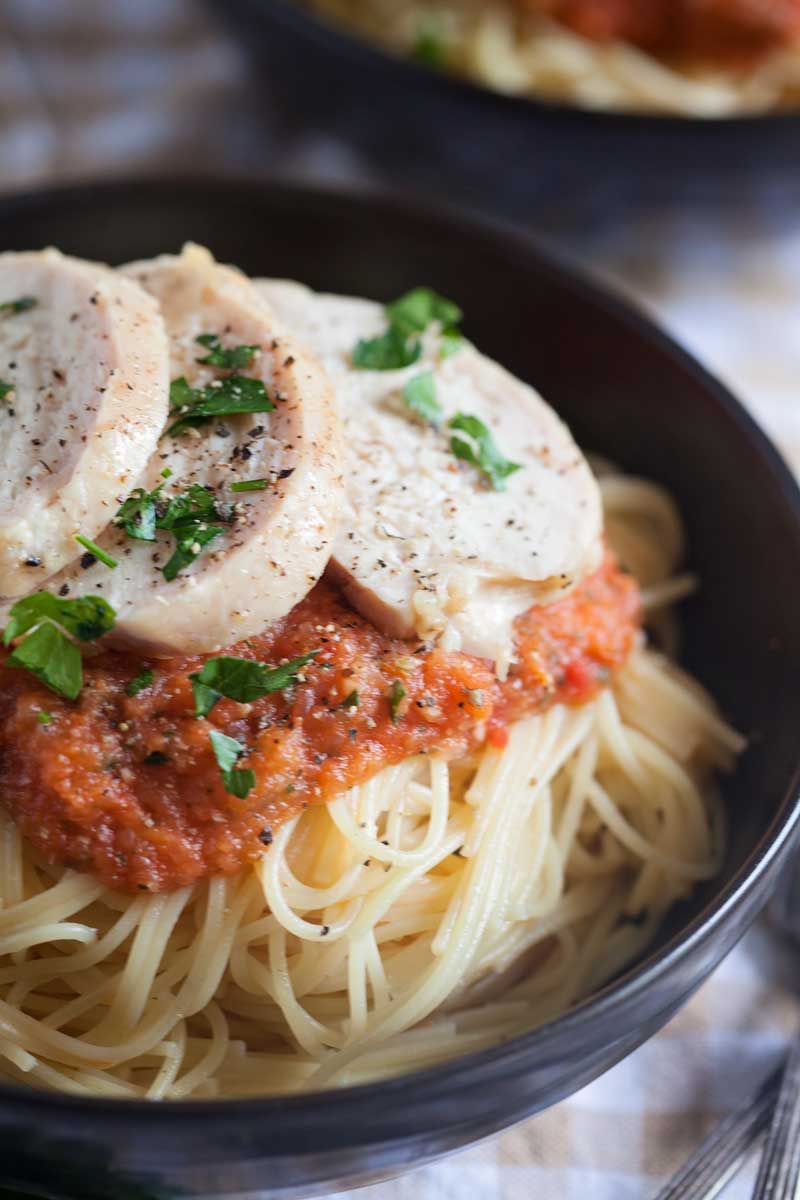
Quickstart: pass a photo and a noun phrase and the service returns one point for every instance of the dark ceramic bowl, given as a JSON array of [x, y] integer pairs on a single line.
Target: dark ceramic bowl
[[629, 393], [508, 154]]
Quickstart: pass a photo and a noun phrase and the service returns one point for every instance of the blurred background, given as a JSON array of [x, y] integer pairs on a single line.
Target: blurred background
[[700, 226]]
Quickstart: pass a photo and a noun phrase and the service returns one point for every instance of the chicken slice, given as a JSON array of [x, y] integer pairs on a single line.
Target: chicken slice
[[425, 548], [84, 369], [279, 539]]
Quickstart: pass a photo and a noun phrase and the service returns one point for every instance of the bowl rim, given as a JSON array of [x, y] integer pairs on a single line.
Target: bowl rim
[[361, 51], [419, 1088]]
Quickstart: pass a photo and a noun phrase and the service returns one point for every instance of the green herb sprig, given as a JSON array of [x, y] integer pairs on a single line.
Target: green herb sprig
[[481, 450], [408, 318], [51, 623], [241, 679], [23, 304], [227, 752], [190, 516], [232, 358], [223, 398]]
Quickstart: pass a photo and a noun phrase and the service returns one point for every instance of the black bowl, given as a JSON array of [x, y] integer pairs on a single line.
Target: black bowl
[[628, 392], [511, 155]]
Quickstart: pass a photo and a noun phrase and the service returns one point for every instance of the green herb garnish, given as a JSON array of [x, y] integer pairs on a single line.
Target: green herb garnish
[[166, 473], [389, 352], [231, 358], [250, 485], [47, 651], [351, 701], [44, 717], [5, 389], [139, 682], [414, 312], [225, 398], [429, 49], [397, 693], [420, 396], [481, 450], [241, 679], [18, 306], [189, 516], [227, 752], [408, 317], [96, 550], [452, 341]]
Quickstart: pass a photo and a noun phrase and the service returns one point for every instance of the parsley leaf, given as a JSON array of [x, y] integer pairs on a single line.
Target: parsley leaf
[[44, 717], [18, 306], [47, 652], [350, 701], [452, 341], [241, 679], [187, 517], [52, 658], [86, 617], [388, 352], [139, 682], [231, 358], [5, 389], [196, 406], [481, 450], [227, 752], [413, 312], [429, 47], [137, 515], [420, 396], [397, 694]]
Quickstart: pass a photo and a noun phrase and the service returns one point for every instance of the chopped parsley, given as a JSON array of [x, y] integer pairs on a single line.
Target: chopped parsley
[[420, 396], [139, 682], [224, 398], [452, 341], [23, 304], [231, 358], [397, 694], [250, 485], [408, 317], [5, 389], [351, 701], [227, 752], [96, 551], [415, 311], [50, 623], [481, 450], [137, 515], [166, 473], [389, 352], [190, 517], [429, 49], [241, 679], [44, 717]]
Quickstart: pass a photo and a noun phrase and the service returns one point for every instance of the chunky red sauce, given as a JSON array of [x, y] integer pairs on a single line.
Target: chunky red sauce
[[703, 30], [128, 788]]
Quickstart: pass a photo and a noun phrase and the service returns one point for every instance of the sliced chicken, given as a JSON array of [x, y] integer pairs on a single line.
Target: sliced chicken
[[84, 368], [278, 539], [425, 547]]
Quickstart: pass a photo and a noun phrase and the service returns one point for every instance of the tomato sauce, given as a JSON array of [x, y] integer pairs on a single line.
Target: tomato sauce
[[127, 788], [701, 30]]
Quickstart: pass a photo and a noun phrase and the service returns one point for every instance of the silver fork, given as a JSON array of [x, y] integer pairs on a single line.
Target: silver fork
[[774, 1108]]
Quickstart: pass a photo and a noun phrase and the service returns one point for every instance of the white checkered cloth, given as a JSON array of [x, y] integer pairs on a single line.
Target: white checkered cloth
[[104, 87]]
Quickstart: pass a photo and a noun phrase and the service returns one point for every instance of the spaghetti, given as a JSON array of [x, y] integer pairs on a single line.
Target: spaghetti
[[525, 53], [434, 909]]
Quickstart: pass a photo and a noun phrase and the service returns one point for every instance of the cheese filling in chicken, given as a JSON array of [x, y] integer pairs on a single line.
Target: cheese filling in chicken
[[425, 547]]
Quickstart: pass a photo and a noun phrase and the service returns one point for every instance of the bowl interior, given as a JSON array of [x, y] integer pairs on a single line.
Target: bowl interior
[[625, 389]]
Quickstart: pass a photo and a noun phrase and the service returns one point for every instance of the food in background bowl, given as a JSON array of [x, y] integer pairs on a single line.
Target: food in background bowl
[[370, 763], [691, 57]]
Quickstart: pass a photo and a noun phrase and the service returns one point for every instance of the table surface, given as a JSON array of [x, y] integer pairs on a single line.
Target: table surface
[[109, 88]]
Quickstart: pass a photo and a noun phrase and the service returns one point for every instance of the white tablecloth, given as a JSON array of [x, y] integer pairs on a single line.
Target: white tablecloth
[[110, 87]]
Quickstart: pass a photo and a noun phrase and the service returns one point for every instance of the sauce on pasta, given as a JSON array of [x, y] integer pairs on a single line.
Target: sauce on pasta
[[126, 787]]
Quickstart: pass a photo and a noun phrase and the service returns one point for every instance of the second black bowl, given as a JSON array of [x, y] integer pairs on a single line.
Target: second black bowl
[[629, 393], [513, 155]]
